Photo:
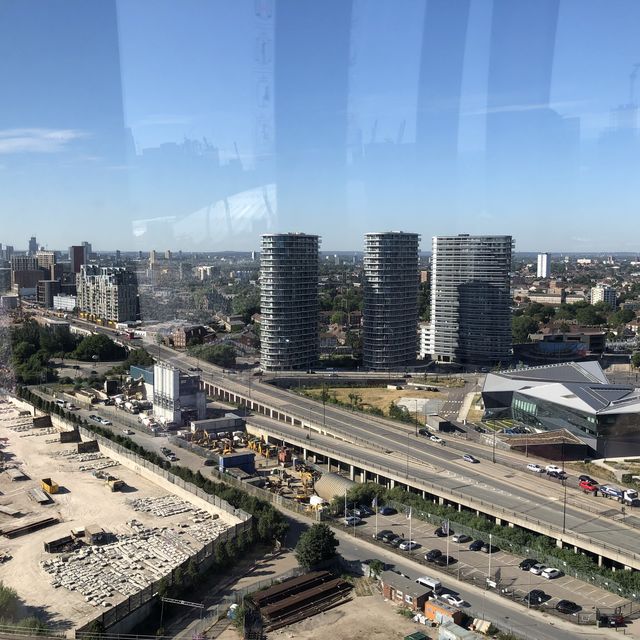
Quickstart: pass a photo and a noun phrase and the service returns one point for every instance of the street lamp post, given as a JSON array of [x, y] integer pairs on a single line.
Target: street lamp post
[[416, 400], [490, 554]]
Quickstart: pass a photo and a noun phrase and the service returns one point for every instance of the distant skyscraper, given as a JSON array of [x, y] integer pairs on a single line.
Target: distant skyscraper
[[33, 246], [76, 257], [167, 254], [289, 301], [390, 338], [88, 250], [604, 293], [470, 299], [543, 265]]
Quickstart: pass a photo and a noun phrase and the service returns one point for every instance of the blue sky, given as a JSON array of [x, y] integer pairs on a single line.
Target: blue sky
[[200, 124]]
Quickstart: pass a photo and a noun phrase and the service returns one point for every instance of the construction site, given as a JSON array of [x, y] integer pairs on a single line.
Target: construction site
[[85, 531]]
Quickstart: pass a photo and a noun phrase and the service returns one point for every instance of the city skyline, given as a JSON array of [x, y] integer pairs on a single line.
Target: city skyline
[[204, 143]]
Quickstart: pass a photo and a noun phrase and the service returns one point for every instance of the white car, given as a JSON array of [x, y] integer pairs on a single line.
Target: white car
[[537, 569], [351, 521], [408, 545], [127, 432], [536, 468], [550, 573], [553, 468], [106, 422], [454, 601], [436, 439]]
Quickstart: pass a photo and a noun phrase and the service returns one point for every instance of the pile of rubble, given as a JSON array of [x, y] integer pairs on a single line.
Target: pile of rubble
[[131, 563]]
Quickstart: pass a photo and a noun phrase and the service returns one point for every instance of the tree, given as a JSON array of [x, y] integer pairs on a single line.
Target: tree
[[635, 359], [316, 545], [224, 355], [589, 315], [100, 346], [376, 567], [139, 358], [521, 327], [337, 317]]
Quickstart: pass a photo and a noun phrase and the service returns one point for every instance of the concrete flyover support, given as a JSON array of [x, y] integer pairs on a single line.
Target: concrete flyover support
[[352, 473], [599, 561], [329, 465]]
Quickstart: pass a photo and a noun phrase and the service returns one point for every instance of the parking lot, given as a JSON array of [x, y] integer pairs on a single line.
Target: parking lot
[[476, 566]]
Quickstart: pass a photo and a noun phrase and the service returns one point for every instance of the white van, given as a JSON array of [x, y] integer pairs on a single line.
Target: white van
[[432, 583]]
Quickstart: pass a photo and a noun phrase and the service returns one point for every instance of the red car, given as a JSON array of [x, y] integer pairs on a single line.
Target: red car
[[588, 487]]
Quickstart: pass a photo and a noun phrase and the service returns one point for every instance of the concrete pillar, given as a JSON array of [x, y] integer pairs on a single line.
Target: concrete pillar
[[626, 568], [392, 483], [440, 500], [424, 494], [599, 561], [559, 543], [575, 549], [329, 464], [477, 513], [352, 473], [459, 507], [498, 521], [304, 454], [511, 525]]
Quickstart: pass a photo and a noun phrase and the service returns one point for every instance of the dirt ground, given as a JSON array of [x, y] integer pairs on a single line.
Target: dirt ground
[[82, 500], [363, 617], [378, 397]]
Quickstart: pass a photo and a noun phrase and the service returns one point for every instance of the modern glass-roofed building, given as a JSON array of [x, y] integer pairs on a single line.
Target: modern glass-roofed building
[[575, 396]]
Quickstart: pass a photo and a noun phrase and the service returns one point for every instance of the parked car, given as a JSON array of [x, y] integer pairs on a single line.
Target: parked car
[[461, 538], [561, 475], [105, 422], [489, 548], [479, 429], [424, 432], [550, 573], [469, 458], [351, 521], [537, 569], [476, 545], [452, 599], [615, 620], [568, 607], [432, 555], [441, 534], [535, 597], [389, 537], [127, 432], [365, 511], [444, 561], [387, 511], [536, 468], [586, 478], [408, 545], [381, 534], [552, 467], [436, 439], [397, 542], [526, 564]]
